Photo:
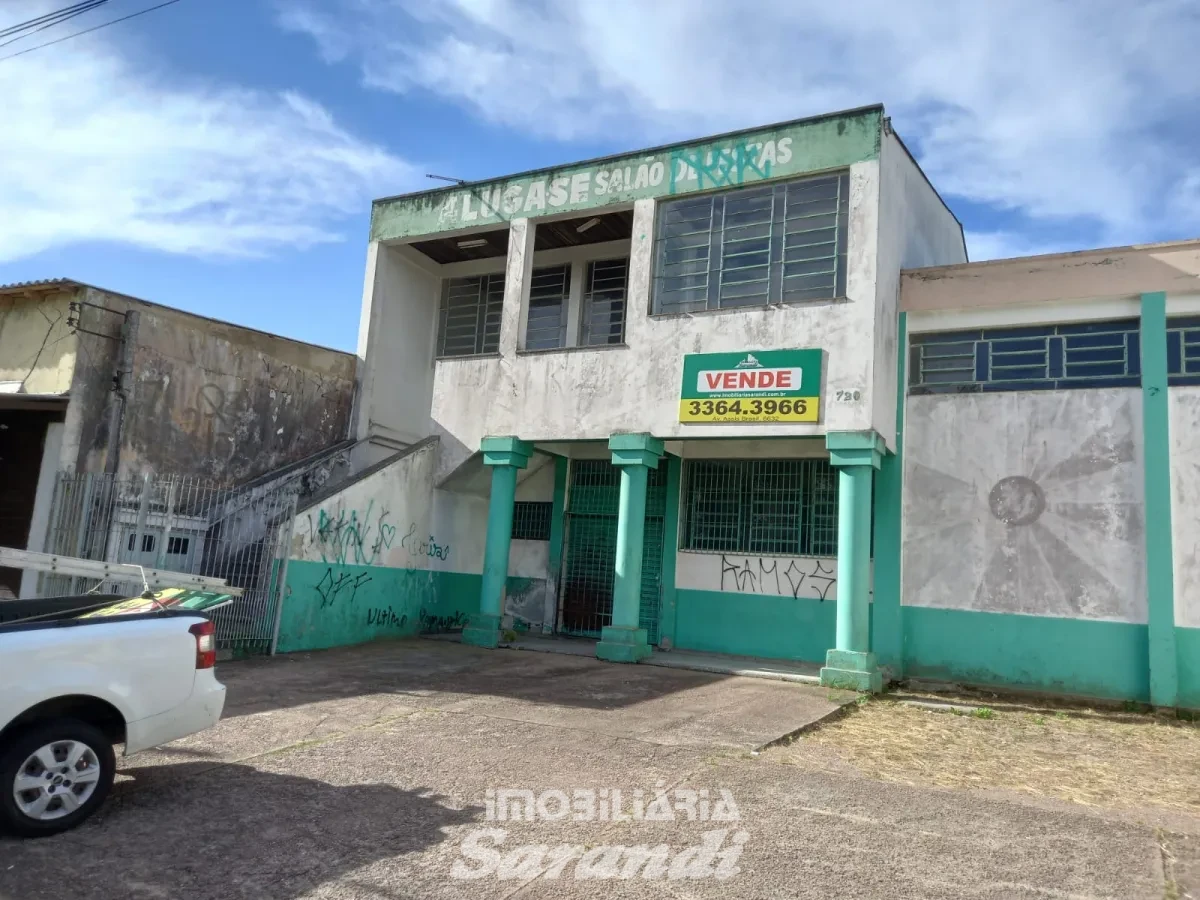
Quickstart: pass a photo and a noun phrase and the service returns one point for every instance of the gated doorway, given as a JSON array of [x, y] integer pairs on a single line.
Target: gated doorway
[[593, 498]]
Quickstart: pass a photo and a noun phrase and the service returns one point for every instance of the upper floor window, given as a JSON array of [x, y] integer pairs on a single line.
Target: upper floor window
[[1027, 358], [602, 320], [469, 322], [778, 243], [546, 326]]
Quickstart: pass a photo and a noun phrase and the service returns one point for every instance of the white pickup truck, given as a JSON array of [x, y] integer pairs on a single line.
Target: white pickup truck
[[72, 687]]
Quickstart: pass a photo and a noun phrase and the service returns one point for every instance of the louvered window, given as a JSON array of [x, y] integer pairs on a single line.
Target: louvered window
[[603, 319], [469, 323], [753, 246], [546, 327]]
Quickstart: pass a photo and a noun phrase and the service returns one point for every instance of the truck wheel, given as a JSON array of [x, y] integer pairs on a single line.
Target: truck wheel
[[53, 776]]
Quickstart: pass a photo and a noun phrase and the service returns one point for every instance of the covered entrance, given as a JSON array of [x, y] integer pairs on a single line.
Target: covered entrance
[[593, 498]]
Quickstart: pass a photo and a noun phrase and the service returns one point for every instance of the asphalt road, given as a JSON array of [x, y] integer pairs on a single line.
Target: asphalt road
[[365, 773]]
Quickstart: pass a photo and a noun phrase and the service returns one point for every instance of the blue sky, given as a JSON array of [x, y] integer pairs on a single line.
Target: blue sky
[[221, 155]]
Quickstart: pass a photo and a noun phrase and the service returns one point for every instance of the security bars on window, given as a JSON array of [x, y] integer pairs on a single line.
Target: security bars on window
[[1183, 350], [781, 243], [469, 321], [1034, 358], [603, 319], [783, 507], [531, 520], [546, 327]]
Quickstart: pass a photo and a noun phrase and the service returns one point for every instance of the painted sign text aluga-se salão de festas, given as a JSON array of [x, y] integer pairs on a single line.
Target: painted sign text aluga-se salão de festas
[[753, 386]]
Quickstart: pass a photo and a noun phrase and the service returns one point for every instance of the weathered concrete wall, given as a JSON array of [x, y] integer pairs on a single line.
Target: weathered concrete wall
[[592, 393], [389, 555], [37, 348], [1185, 503], [915, 229], [1026, 503], [210, 399]]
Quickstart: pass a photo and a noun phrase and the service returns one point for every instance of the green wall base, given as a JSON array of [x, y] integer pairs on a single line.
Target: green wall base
[[483, 630], [329, 605], [623, 645], [851, 670]]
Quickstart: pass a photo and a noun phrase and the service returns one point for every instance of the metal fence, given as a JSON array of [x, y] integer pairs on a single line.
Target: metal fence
[[183, 525]]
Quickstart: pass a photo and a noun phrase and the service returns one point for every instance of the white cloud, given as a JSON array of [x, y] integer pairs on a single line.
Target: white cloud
[[1070, 118], [100, 144]]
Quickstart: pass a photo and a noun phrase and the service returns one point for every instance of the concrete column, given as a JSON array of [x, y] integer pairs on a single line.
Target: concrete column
[[518, 271], [624, 640], [1156, 467], [505, 455], [851, 664]]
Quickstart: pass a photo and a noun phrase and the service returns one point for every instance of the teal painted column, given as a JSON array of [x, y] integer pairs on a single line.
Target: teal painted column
[[887, 625], [1156, 461], [506, 455], [851, 664], [666, 622], [558, 522], [624, 640]]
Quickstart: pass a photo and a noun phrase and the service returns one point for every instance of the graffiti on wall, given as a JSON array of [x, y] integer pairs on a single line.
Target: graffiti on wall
[[351, 539], [341, 587], [435, 624], [385, 617], [418, 546], [768, 575]]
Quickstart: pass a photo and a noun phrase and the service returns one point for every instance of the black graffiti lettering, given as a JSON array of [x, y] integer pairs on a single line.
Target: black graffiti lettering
[[386, 616], [342, 586], [431, 624], [753, 575]]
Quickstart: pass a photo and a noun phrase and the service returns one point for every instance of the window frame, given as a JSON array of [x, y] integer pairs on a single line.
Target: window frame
[[491, 302], [777, 246], [754, 533], [587, 297]]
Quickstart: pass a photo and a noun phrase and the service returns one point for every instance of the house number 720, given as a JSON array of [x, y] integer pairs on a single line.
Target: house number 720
[[848, 395]]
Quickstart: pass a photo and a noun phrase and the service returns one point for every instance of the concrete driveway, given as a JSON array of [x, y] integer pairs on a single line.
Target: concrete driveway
[[366, 772]]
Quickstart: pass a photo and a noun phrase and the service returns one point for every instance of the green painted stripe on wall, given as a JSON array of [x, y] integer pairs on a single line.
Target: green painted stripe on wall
[[338, 605], [1156, 470], [887, 634], [754, 625], [1187, 646], [1067, 656]]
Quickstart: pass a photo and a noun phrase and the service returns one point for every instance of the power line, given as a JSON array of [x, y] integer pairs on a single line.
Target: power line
[[69, 13], [49, 17], [141, 12]]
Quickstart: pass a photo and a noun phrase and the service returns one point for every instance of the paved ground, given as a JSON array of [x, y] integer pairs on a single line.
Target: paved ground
[[363, 774]]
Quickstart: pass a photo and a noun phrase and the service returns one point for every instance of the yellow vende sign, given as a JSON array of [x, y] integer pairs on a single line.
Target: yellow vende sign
[[755, 386]]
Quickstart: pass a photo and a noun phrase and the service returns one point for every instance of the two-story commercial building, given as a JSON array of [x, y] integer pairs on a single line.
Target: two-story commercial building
[[677, 369]]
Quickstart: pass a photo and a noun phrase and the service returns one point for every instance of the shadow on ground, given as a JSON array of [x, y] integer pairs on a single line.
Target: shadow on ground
[[416, 668], [228, 830]]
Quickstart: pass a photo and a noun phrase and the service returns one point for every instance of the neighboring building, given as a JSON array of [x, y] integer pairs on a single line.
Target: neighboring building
[[669, 377], [1051, 456], [93, 382]]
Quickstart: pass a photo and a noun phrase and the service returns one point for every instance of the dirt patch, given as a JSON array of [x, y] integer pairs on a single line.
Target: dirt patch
[[1096, 757]]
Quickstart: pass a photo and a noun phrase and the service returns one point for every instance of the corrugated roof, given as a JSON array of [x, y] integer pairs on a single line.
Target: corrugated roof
[[46, 282]]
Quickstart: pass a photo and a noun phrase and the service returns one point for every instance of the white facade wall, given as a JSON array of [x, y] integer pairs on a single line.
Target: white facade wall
[[1185, 503]]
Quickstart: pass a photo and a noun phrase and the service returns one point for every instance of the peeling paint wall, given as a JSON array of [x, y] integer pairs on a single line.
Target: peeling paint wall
[[1026, 503], [37, 348]]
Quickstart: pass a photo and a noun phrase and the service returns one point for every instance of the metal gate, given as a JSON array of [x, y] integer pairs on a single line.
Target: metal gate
[[182, 525], [593, 499]]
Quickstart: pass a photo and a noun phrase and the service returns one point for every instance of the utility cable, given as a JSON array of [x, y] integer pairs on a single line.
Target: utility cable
[[83, 8], [140, 12], [51, 17]]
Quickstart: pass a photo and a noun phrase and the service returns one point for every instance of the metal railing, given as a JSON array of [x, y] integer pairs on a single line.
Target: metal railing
[[183, 525]]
